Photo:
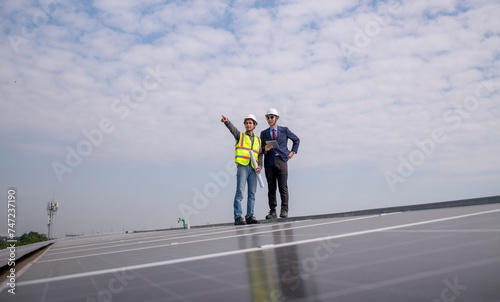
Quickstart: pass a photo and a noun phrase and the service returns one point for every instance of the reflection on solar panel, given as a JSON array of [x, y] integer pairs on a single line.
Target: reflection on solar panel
[[432, 255]]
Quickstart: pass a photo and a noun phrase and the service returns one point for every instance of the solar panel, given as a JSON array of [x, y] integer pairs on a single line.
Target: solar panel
[[431, 255]]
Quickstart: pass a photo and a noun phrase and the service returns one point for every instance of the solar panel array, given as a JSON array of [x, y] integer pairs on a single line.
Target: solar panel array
[[431, 255]]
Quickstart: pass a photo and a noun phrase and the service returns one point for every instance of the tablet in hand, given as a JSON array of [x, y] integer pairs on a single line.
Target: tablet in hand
[[272, 143]]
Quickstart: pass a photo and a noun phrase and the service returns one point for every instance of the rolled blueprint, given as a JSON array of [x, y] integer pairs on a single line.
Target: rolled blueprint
[[254, 162]]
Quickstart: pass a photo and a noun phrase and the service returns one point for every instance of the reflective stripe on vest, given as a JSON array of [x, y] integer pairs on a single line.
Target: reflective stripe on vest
[[242, 148]]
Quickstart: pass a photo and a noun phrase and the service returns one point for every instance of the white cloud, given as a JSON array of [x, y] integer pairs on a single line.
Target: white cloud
[[415, 64]]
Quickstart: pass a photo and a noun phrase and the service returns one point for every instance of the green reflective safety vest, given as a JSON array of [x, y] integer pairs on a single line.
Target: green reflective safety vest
[[243, 147]]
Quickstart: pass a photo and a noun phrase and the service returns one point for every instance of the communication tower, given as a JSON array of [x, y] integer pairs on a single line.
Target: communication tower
[[51, 210]]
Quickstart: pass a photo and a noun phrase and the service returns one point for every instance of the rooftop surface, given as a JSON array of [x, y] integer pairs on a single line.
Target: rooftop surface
[[422, 255]]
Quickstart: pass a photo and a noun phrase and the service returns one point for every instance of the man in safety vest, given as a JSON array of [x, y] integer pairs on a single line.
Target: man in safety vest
[[246, 172]]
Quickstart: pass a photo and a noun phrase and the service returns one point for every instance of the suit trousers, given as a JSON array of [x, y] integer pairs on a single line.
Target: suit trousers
[[278, 173]]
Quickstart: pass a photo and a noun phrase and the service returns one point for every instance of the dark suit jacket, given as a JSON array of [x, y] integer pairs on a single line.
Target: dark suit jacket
[[283, 135]]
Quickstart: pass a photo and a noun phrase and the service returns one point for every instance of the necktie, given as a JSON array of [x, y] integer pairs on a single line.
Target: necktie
[[274, 137]]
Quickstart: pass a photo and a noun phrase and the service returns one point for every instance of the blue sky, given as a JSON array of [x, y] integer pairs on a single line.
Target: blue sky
[[116, 105]]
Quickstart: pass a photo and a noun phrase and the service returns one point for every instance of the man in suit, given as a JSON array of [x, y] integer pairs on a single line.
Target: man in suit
[[276, 161]]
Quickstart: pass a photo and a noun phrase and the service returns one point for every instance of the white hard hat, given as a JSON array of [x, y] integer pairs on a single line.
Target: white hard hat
[[252, 117], [272, 111]]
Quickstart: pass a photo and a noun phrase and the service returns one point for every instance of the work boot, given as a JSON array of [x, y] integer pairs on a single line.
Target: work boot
[[252, 220], [271, 215], [284, 213], [239, 221]]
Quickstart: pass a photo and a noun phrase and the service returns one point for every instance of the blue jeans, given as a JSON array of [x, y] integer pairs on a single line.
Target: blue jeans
[[243, 175]]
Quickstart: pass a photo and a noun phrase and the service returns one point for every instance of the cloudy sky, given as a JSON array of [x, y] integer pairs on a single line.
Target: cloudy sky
[[115, 106]]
